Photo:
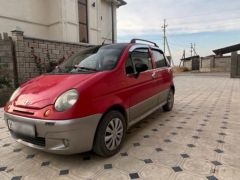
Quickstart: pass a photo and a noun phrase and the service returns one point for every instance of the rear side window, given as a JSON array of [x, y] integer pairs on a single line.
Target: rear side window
[[142, 56], [159, 59]]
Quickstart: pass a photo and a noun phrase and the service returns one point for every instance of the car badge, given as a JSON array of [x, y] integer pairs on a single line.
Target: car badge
[[27, 102]]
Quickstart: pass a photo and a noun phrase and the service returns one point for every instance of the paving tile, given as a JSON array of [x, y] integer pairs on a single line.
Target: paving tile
[[216, 163], [198, 166], [112, 174], [201, 132], [124, 154], [195, 137], [46, 163], [17, 150], [151, 171], [219, 151], [129, 164], [228, 172], [3, 168], [64, 172], [30, 156], [16, 178], [189, 176], [167, 141], [185, 156], [107, 166], [146, 136], [134, 175], [158, 149], [191, 145], [147, 161], [212, 178], [136, 144], [177, 169]]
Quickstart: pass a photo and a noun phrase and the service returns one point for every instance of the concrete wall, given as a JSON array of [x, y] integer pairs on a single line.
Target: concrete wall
[[215, 64], [222, 64], [206, 64], [57, 19], [188, 64], [191, 64]]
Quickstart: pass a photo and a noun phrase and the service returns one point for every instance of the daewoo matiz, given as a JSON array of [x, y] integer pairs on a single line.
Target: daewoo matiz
[[90, 100]]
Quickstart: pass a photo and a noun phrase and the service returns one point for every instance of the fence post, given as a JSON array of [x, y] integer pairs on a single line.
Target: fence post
[[17, 49], [234, 58]]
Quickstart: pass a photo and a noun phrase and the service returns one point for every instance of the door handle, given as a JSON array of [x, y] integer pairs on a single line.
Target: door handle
[[154, 75]]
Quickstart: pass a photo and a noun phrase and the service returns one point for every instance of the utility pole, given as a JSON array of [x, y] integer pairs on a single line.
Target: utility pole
[[164, 35], [194, 49], [165, 42], [183, 57], [191, 49]]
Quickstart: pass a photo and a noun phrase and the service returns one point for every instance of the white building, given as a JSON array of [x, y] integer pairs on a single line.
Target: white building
[[88, 21]]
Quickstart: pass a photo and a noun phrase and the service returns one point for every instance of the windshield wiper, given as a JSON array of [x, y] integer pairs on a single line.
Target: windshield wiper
[[87, 68]]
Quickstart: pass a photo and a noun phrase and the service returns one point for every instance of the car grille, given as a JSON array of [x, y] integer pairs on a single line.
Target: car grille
[[23, 112], [39, 141]]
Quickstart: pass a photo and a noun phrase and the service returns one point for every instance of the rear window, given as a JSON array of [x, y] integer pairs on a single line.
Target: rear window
[[159, 59]]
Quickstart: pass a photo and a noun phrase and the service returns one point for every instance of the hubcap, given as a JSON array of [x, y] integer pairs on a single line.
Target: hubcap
[[114, 134]]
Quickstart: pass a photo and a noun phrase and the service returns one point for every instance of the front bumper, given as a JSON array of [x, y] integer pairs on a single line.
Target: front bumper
[[58, 136]]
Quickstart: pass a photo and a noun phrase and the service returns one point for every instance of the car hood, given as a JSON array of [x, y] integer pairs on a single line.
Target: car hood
[[44, 90]]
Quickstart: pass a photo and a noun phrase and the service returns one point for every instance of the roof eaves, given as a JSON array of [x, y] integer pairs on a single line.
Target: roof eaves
[[121, 3]]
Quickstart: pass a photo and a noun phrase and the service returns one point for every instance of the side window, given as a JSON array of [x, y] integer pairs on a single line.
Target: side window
[[129, 66], [142, 56], [159, 59]]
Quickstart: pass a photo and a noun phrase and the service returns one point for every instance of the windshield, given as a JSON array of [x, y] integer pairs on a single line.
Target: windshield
[[91, 60]]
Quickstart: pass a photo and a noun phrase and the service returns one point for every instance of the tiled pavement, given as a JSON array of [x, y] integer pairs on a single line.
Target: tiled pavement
[[199, 139]]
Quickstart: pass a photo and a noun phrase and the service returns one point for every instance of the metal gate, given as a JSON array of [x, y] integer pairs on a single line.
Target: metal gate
[[235, 65]]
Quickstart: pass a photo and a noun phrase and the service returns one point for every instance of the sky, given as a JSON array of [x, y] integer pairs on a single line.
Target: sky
[[210, 24]]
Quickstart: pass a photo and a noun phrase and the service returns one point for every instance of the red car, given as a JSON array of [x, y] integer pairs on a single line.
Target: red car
[[89, 101]]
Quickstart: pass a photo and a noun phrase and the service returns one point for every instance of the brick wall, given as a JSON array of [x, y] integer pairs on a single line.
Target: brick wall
[[36, 56], [6, 68], [23, 58]]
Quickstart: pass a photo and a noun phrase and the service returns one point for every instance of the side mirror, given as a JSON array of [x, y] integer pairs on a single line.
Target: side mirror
[[140, 67]]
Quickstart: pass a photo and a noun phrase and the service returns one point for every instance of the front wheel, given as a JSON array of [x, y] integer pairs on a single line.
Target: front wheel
[[110, 134], [170, 101]]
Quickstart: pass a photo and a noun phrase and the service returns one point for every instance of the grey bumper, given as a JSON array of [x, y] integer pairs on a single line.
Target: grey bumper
[[59, 136]]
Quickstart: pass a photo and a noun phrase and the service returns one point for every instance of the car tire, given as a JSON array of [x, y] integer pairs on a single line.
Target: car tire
[[170, 101], [110, 134]]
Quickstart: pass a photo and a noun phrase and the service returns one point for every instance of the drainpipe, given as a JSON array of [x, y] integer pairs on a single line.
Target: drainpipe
[[113, 28]]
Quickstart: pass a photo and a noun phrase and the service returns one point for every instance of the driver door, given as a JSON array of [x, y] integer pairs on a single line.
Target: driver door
[[141, 88]]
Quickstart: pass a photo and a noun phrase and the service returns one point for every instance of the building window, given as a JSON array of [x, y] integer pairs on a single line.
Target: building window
[[83, 21]]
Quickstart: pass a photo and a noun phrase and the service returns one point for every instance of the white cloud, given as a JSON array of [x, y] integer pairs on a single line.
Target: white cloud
[[141, 17]]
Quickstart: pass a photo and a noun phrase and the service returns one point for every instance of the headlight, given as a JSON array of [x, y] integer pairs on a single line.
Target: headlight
[[66, 100], [15, 94]]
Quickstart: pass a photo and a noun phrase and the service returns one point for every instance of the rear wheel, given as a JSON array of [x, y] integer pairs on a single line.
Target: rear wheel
[[170, 101], [110, 134]]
